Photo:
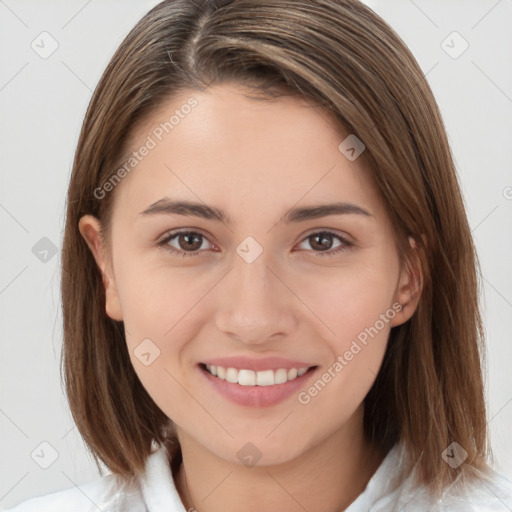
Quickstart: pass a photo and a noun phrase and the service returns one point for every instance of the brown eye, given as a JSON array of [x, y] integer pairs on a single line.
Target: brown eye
[[186, 243], [189, 241], [322, 243]]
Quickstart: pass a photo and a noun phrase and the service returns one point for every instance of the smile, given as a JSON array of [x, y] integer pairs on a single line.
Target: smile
[[256, 388], [246, 377]]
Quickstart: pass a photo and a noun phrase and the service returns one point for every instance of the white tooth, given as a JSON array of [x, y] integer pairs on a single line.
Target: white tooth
[[232, 375], [265, 378], [246, 378], [292, 373], [208, 367], [221, 372], [281, 376]]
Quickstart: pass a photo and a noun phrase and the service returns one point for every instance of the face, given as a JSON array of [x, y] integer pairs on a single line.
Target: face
[[254, 277]]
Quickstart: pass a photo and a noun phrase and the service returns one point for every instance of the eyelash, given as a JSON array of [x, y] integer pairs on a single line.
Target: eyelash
[[170, 236]]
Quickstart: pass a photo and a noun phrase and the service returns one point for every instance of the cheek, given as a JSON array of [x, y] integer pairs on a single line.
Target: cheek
[[357, 308], [159, 315], [162, 310], [352, 297], [154, 298], [360, 321], [355, 305]]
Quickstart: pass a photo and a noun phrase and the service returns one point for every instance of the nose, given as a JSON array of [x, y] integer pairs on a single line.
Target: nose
[[255, 303]]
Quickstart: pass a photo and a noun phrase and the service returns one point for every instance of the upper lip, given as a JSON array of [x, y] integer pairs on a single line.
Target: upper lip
[[259, 364]]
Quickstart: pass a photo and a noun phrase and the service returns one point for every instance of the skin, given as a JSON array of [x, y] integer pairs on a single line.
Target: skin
[[255, 160]]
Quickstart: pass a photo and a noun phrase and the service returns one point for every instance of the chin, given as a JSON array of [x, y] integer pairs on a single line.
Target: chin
[[259, 451]]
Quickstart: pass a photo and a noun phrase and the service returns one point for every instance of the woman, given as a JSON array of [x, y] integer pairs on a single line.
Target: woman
[[269, 284]]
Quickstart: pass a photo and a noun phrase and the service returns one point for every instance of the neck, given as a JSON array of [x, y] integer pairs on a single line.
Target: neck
[[337, 469]]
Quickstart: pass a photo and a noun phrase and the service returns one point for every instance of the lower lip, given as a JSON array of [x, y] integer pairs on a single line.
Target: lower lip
[[257, 396]]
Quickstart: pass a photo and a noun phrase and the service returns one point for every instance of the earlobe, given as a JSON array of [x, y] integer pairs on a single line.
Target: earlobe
[[409, 287], [90, 229]]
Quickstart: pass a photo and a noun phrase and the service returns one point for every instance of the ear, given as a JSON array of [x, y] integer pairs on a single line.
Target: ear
[[90, 229], [409, 287]]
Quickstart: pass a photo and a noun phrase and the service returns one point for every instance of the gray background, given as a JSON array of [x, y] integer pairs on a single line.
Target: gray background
[[42, 105]]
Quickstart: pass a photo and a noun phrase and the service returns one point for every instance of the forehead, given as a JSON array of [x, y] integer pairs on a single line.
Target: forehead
[[224, 145]]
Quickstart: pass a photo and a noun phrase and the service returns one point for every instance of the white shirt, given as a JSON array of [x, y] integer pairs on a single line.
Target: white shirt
[[154, 491]]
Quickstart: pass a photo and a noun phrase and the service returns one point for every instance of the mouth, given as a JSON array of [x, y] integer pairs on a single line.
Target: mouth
[[256, 388], [251, 378]]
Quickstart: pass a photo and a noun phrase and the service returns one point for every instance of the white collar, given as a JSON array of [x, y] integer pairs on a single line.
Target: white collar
[[157, 484], [161, 495]]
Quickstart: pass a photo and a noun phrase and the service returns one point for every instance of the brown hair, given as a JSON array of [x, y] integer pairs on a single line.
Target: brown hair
[[341, 55]]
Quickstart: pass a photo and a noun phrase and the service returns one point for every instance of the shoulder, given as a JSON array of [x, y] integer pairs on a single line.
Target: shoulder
[[492, 492], [108, 493], [153, 489], [393, 489]]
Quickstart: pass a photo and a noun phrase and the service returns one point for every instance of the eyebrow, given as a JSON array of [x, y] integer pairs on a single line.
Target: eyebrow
[[297, 214]]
